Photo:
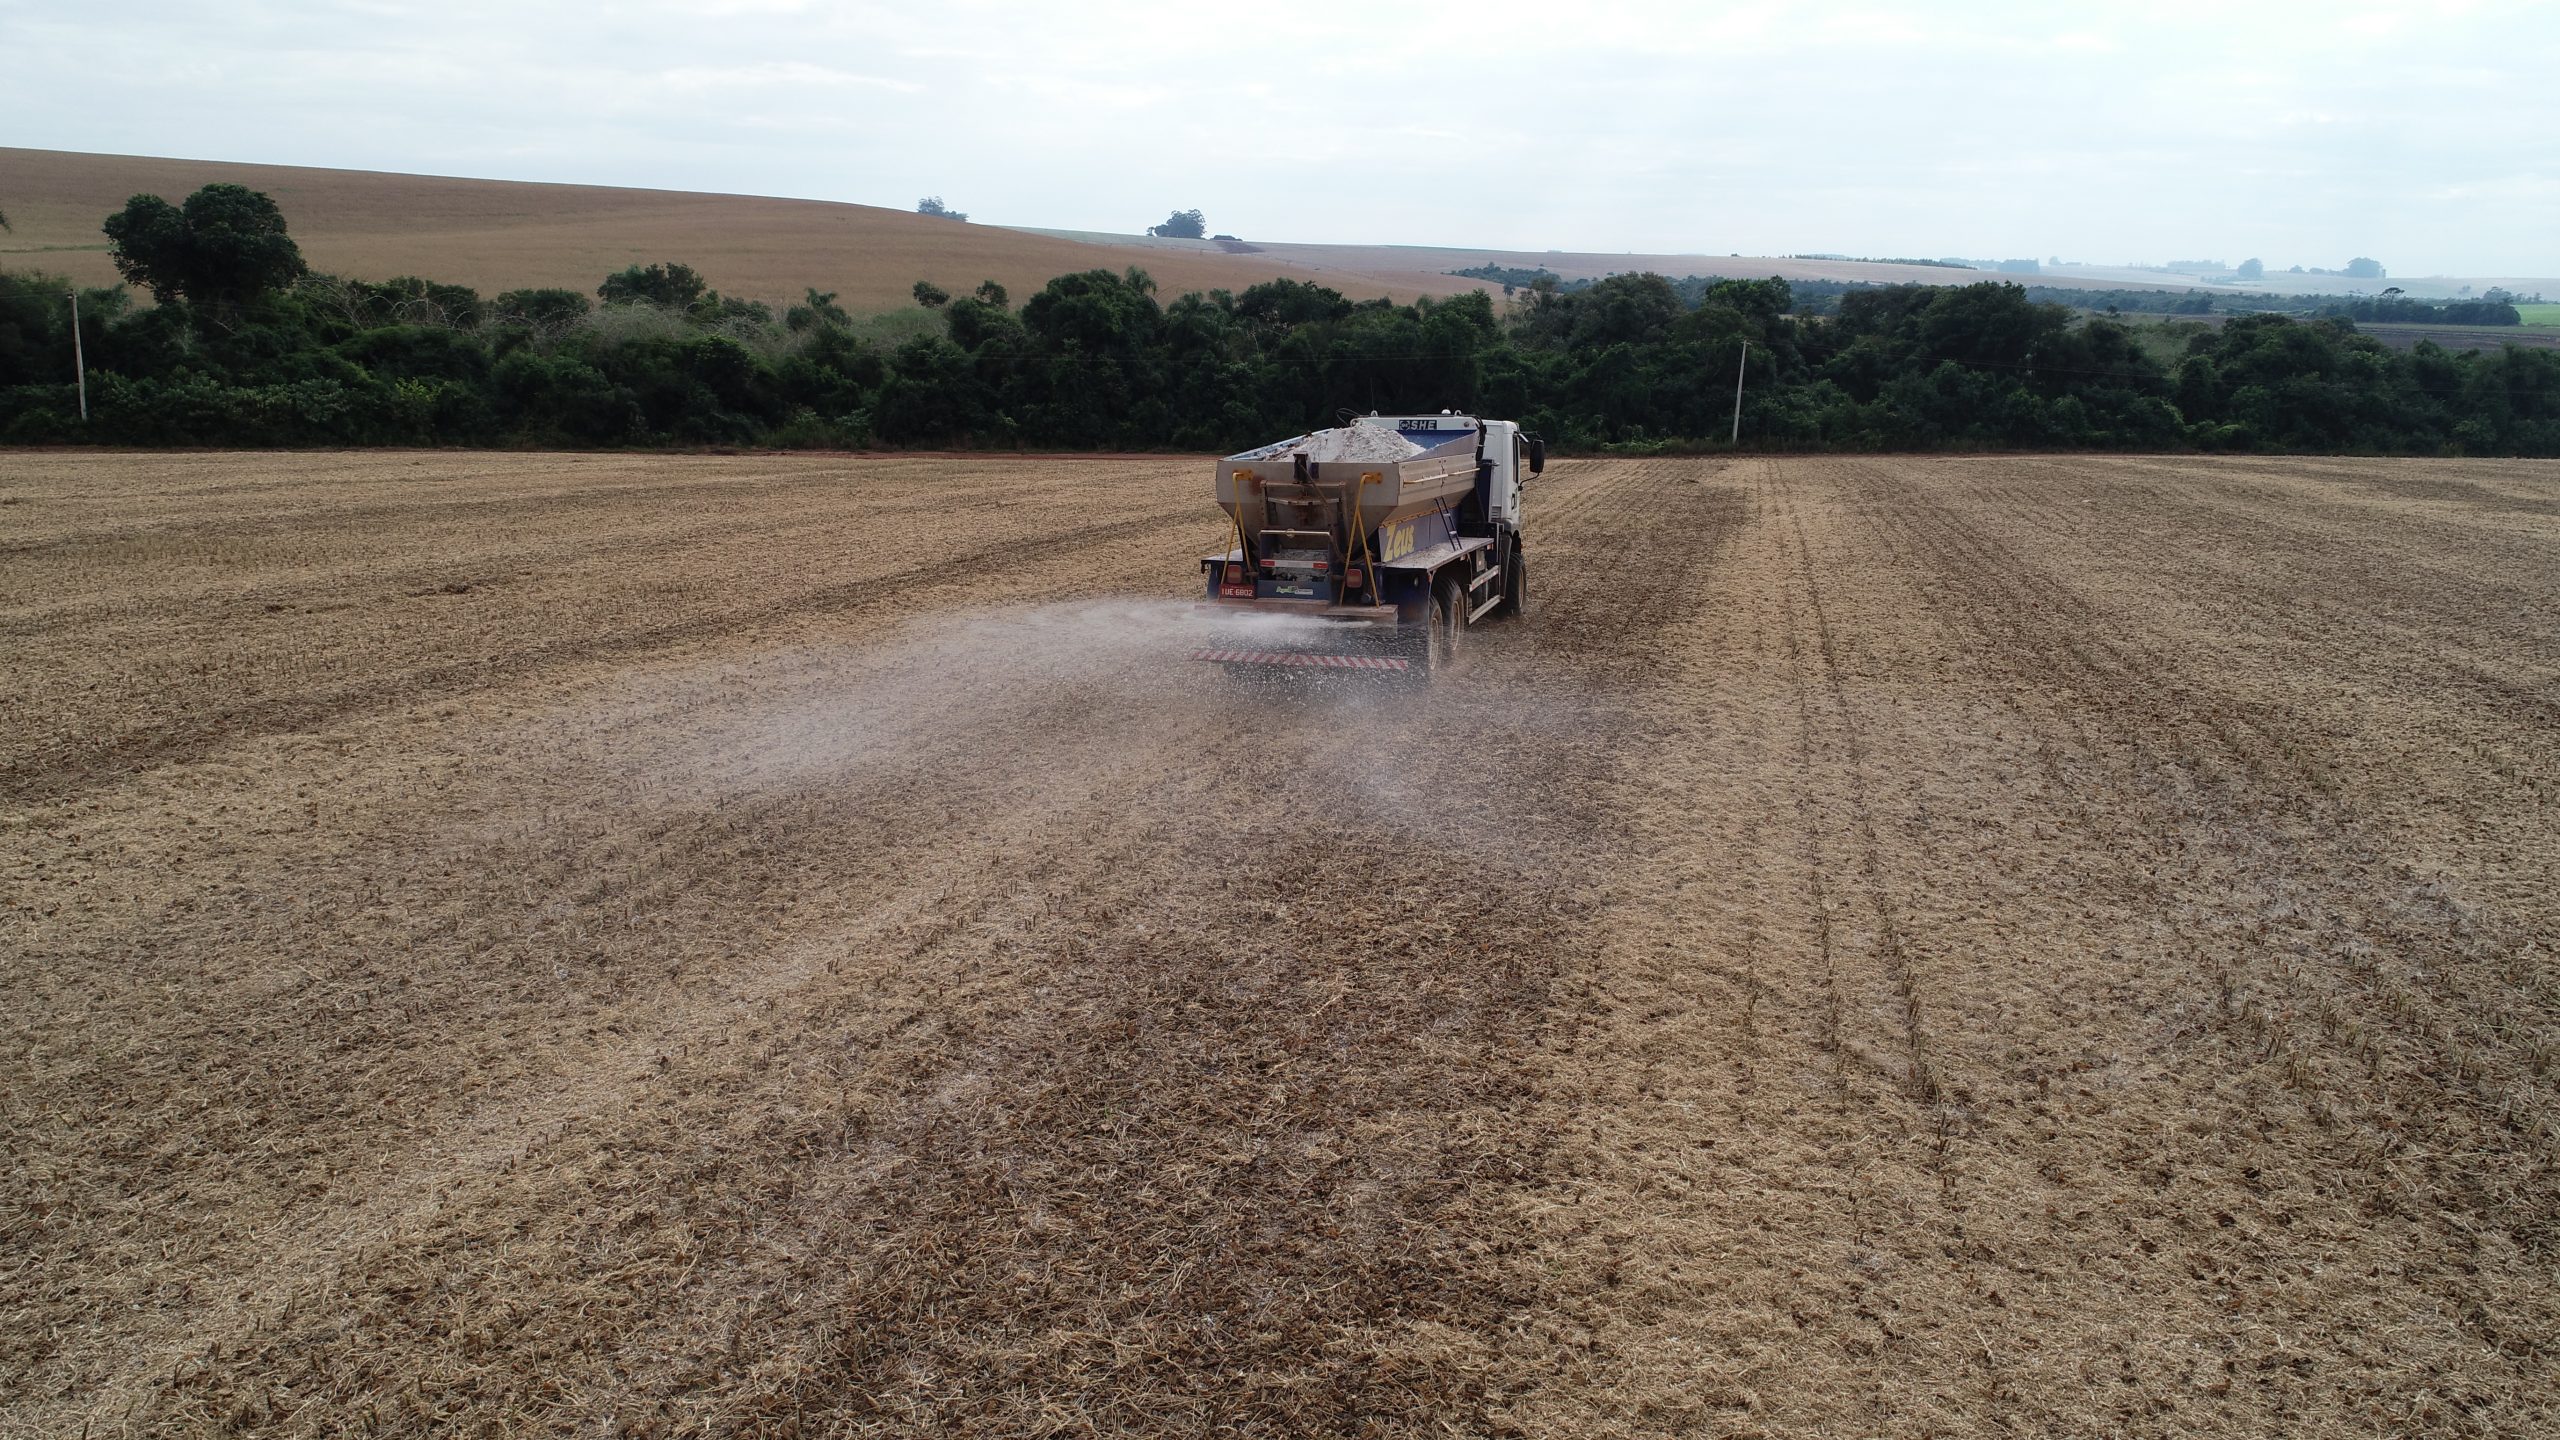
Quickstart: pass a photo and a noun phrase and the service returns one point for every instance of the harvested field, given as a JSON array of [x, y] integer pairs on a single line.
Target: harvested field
[[654, 946], [2165, 334], [498, 235], [2463, 337], [1426, 269]]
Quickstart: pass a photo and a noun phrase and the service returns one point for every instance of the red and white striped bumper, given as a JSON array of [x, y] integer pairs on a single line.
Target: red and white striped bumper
[[1292, 657]]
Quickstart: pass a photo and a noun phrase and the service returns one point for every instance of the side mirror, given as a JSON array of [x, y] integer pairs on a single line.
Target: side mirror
[[1537, 456]]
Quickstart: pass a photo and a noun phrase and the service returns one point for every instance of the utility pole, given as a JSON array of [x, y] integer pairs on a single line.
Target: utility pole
[[79, 360], [1737, 393]]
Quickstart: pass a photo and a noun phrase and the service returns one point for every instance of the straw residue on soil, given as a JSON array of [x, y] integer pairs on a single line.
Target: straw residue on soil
[[722, 945]]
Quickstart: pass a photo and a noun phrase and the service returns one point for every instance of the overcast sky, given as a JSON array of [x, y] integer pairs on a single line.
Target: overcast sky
[[2427, 136]]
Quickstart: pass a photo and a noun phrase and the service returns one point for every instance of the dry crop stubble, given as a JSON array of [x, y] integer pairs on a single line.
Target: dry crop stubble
[[2052, 868], [766, 945], [566, 849], [498, 235]]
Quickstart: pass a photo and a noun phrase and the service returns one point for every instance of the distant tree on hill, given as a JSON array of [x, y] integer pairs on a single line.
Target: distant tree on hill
[[673, 285], [2251, 269], [227, 243], [991, 293], [2365, 267], [932, 205], [1506, 275], [931, 296], [818, 311], [1181, 225]]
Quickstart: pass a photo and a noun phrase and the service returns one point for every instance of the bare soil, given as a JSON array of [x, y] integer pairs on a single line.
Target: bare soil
[[2463, 337], [498, 235], [2407, 337], [614, 945], [501, 235]]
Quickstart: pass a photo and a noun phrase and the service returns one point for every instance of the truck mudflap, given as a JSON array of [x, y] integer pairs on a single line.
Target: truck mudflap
[[1306, 637], [1347, 616], [1300, 658]]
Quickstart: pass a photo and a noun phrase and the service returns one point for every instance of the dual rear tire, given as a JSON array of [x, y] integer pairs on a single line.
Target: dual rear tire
[[1432, 649], [1442, 644], [1449, 623]]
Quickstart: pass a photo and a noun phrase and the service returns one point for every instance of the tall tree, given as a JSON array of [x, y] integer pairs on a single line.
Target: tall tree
[[1181, 225], [226, 244]]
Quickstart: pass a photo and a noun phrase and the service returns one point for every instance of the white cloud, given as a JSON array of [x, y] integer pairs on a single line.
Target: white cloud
[[778, 73]]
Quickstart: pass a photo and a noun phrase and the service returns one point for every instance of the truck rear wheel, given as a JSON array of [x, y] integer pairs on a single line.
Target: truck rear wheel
[[1418, 643], [1448, 624], [1515, 586]]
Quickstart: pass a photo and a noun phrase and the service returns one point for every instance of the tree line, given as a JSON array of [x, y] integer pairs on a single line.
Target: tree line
[[245, 346], [1821, 297]]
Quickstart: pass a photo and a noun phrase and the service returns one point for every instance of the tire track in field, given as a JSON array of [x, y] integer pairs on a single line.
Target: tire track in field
[[1837, 775], [1921, 1080], [1830, 741], [1743, 1197], [1809, 838]]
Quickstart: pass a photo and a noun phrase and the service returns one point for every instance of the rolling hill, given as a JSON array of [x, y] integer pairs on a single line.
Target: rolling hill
[[1408, 269], [504, 234], [498, 235]]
